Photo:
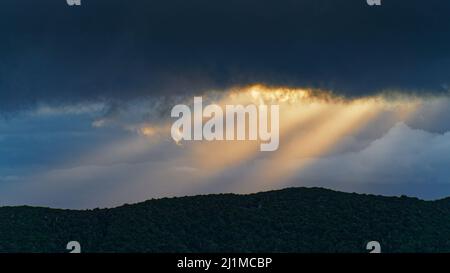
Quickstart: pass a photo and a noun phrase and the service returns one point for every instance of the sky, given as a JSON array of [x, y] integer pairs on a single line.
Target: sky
[[86, 94]]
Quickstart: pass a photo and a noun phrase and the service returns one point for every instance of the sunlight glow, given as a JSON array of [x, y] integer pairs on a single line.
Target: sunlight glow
[[312, 123]]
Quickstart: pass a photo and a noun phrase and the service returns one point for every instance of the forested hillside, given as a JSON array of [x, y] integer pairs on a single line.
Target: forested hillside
[[290, 220]]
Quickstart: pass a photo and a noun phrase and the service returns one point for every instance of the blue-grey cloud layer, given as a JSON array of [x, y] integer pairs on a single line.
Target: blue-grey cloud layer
[[55, 157]]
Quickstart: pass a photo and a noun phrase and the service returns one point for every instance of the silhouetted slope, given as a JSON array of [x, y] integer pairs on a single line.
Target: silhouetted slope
[[291, 220]]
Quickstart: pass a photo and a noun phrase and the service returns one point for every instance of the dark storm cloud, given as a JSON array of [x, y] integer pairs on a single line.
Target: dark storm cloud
[[119, 49]]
